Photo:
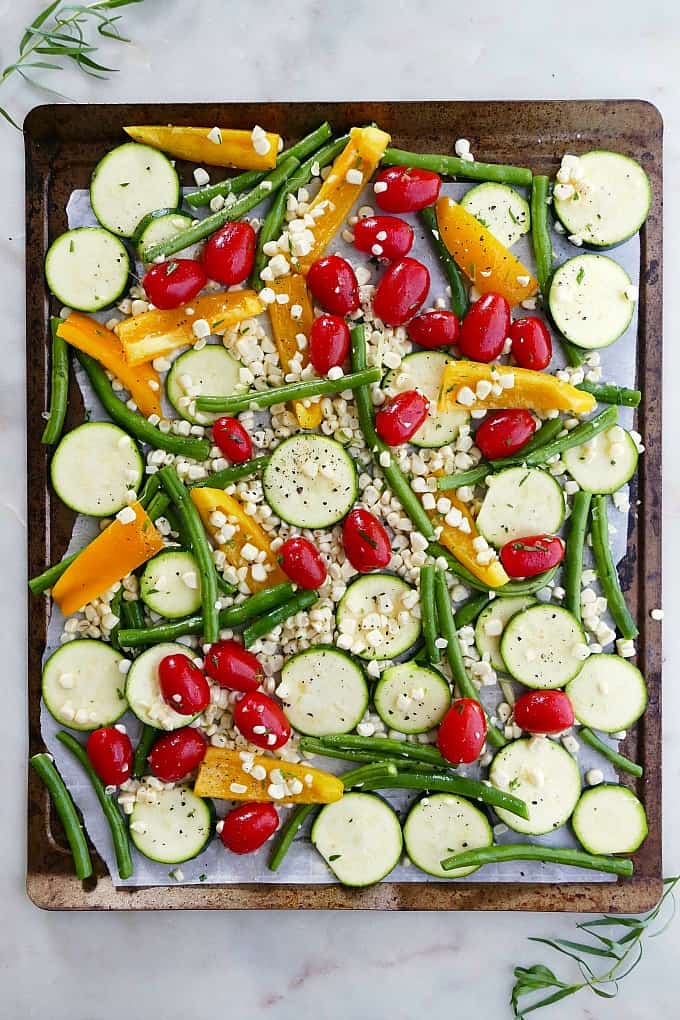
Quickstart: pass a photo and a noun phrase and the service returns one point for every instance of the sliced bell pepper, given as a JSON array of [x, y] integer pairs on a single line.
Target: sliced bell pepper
[[285, 328], [230, 147], [487, 263], [536, 391], [88, 335], [461, 545], [158, 332], [248, 531], [221, 775], [111, 556]]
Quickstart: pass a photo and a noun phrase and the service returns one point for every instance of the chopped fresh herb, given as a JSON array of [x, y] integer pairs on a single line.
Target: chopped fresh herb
[[71, 246], [202, 878], [367, 538], [514, 783], [523, 480], [125, 184], [171, 268], [512, 215], [335, 857]]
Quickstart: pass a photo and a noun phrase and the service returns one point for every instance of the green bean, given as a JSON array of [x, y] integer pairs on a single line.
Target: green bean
[[264, 624], [393, 474], [458, 785], [453, 166], [58, 386], [144, 745], [132, 616], [49, 577], [608, 393], [315, 745], [382, 747], [235, 473], [583, 433], [620, 760], [204, 228], [447, 625], [470, 610], [289, 391], [512, 588], [428, 613], [116, 602], [548, 431], [119, 831], [540, 232], [470, 477], [158, 504], [606, 570], [533, 852], [459, 297], [149, 489], [199, 546], [61, 798], [575, 355], [134, 424], [573, 557]]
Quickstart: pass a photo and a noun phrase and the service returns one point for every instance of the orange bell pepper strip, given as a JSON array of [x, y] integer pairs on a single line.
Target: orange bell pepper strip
[[111, 556], [248, 532], [285, 329], [158, 332], [460, 543], [511, 387], [487, 263], [88, 335], [229, 148], [221, 774]]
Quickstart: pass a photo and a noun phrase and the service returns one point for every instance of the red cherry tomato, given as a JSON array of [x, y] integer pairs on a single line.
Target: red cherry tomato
[[182, 684], [401, 291], [462, 732], [233, 666], [485, 328], [401, 417], [526, 557], [544, 712], [332, 281], [173, 283], [302, 562], [434, 329], [366, 543], [176, 754], [232, 439], [261, 721], [229, 254], [531, 343], [408, 188], [386, 237], [247, 827], [328, 343], [505, 432], [110, 754]]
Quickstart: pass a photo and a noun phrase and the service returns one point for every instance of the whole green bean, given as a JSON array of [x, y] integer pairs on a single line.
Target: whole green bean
[[58, 386], [608, 393], [620, 760], [453, 166], [289, 391], [314, 745], [470, 477], [512, 588], [533, 852], [235, 473], [606, 570], [49, 577], [583, 433], [428, 613], [540, 231], [470, 610], [144, 745], [458, 785], [116, 603], [264, 624], [383, 747], [573, 556], [459, 297], [61, 798]]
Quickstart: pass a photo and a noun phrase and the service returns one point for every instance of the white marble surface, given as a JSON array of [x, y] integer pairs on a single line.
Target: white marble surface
[[350, 965]]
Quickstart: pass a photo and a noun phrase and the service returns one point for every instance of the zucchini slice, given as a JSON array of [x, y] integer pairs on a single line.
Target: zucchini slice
[[87, 269], [545, 776], [610, 819], [605, 463], [143, 690], [129, 182], [422, 371], [608, 694], [158, 226], [359, 837], [440, 825], [212, 371], [412, 698], [491, 623], [520, 502], [378, 610], [176, 828], [82, 685], [310, 481], [591, 301], [500, 209], [542, 646], [323, 691], [171, 584], [94, 467]]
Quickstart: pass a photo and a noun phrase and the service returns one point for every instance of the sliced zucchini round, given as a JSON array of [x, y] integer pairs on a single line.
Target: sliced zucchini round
[[608, 694], [422, 371], [157, 226], [591, 301], [543, 775], [177, 827], [310, 481], [82, 686], [94, 467], [412, 698], [494, 616], [605, 463], [610, 819], [129, 182], [359, 837], [171, 584], [143, 690], [500, 209], [542, 646], [87, 269], [212, 371], [323, 691], [520, 502], [440, 825], [370, 609]]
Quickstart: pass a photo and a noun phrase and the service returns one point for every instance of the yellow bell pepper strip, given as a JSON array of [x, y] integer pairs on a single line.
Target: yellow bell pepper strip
[[337, 195], [485, 261], [461, 545], [158, 332], [221, 774], [214, 146], [285, 328], [511, 387], [88, 335], [248, 532], [111, 556]]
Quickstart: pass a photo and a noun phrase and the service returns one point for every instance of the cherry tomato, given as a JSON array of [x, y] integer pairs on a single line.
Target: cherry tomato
[[401, 417], [232, 439], [233, 666], [544, 712], [531, 343], [328, 343], [434, 329], [182, 684], [176, 754], [302, 562], [408, 188], [485, 328], [110, 754], [173, 283], [462, 732], [386, 237], [401, 291], [526, 557], [261, 721], [332, 281], [505, 432], [229, 254], [366, 543], [247, 827]]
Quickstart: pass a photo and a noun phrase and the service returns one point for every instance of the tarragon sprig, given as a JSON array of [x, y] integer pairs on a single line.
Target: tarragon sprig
[[623, 954]]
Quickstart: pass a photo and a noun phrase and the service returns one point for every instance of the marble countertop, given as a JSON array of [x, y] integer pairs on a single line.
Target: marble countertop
[[349, 965]]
